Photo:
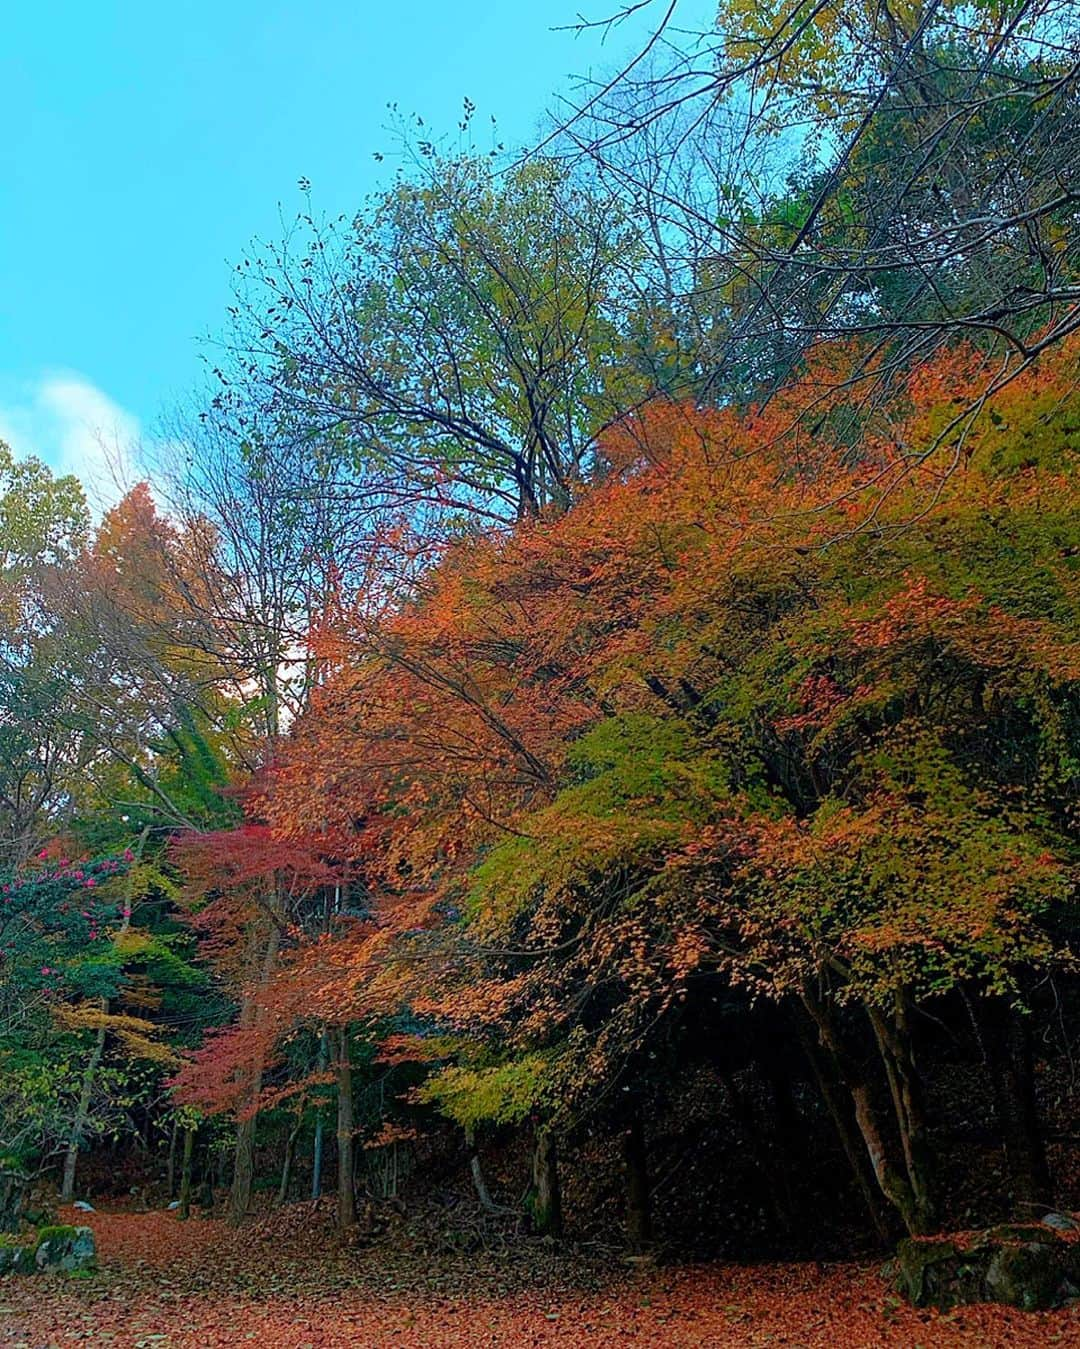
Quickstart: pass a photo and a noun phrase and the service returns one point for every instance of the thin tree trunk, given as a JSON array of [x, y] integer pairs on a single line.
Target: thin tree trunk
[[286, 1165], [320, 1124], [638, 1215], [894, 1185], [905, 1086], [345, 1130], [1024, 1140], [1009, 1056], [477, 1171], [317, 1159], [86, 1092], [170, 1170], [547, 1201], [243, 1170], [244, 1164], [185, 1172], [892, 1182], [207, 1197], [82, 1112], [855, 1154]]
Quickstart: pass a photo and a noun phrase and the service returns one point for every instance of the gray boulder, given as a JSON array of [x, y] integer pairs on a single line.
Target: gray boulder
[[65, 1248]]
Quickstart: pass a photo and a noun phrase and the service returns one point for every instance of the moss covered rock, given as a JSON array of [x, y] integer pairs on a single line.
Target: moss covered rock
[[1026, 1265], [16, 1255], [65, 1248]]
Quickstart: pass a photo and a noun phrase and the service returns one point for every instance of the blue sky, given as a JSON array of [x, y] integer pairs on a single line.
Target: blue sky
[[145, 145]]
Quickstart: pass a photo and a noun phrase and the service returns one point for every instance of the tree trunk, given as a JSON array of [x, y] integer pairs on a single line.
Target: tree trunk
[[82, 1112], [86, 1093], [244, 1164], [894, 1185], [206, 1198], [170, 1172], [346, 1206], [547, 1196], [635, 1158], [892, 1182], [1009, 1055], [243, 1170], [185, 1172], [286, 1165], [320, 1124], [482, 1192], [855, 1154], [905, 1086]]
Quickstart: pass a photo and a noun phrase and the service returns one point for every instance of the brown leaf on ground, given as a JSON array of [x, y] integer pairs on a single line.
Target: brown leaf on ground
[[164, 1284]]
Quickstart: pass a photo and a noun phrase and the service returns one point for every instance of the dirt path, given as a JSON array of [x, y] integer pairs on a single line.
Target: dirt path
[[170, 1285]]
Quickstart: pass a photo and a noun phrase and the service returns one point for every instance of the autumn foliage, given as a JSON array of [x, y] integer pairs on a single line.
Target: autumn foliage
[[779, 712]]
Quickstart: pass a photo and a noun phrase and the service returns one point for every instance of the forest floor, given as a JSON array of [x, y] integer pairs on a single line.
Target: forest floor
[[164, 1284]]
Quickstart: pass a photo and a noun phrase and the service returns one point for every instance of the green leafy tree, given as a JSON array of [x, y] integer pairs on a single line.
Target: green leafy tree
[[464, 335]]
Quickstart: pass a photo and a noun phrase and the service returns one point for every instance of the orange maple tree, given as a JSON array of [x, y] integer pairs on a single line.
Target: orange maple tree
[[758, 712]]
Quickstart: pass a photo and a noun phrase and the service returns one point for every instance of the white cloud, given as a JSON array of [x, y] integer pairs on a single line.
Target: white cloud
[[75, 427]]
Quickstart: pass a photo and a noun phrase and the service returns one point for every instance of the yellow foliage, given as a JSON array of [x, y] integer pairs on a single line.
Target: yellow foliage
[[136, 1035]]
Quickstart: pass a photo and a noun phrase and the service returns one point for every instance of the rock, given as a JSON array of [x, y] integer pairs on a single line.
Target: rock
[[934, 1272], [55, 1248], [169, 1208], [1025, 1265], [65, 1248], [16, 1257], [1029, 1275], [83, 1206]]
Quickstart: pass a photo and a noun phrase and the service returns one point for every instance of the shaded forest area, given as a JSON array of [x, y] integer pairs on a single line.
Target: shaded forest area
[[576, 742]]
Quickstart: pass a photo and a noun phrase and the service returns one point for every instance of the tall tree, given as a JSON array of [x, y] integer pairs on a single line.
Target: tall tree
[[44, 523], [933, 197], [463, 335]]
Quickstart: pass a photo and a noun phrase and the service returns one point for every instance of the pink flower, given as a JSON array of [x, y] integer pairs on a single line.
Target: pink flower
[[91, 883]]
